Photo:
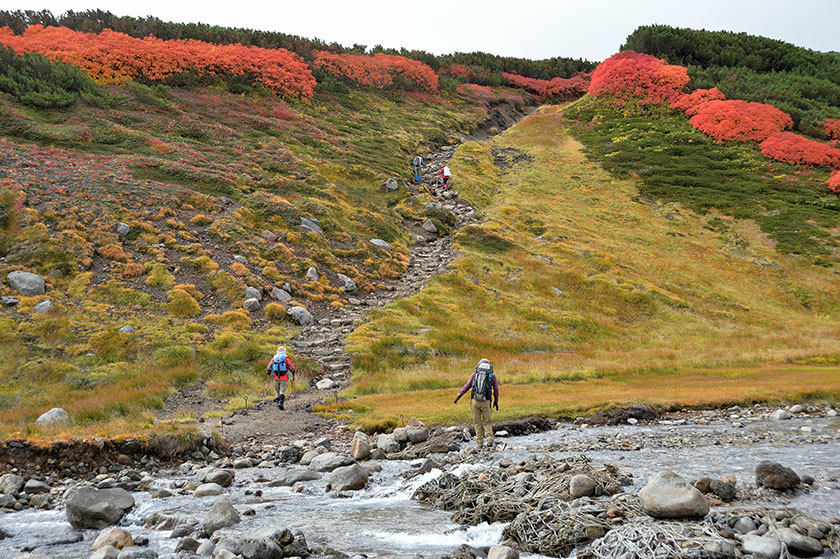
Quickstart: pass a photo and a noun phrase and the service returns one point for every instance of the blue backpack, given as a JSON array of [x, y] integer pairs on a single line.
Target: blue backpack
[[278, 368]]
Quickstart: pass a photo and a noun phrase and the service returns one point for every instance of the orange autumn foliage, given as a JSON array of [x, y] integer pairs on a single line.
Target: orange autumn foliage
[[690, 103], [556, 87], [631, 75], [740, 120], [379, 71], [114, 58], [799, 150], [832, 128], [834, 182]]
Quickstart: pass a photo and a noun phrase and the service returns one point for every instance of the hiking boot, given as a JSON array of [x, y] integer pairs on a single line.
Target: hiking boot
[[280, 401]]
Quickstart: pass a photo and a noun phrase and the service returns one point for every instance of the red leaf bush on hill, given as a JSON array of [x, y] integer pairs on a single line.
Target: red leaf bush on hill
[[630, 75], [799, 150], [740, 120], [832, 128], [379, 71], [113, 58], [575, 86], [690, 103], [834, 182]]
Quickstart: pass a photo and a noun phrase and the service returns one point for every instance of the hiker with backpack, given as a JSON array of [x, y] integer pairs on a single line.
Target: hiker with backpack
[[484, 385], [278, 369], [417, 168], [446, 174]]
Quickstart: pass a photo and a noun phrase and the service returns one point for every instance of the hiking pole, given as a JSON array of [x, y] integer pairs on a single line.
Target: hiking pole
[[265, 390]]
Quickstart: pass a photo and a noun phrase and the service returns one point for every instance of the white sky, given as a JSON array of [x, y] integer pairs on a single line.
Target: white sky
[[592, 29]]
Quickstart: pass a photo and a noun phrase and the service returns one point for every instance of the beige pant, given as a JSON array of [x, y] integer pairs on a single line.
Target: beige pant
[[481, 418], [280, 387]]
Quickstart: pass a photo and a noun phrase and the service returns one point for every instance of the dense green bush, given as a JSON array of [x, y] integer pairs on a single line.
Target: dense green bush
[[676, 163], [33, 80], [691, 47]]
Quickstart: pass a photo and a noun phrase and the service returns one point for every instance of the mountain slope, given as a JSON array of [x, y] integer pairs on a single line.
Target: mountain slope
[[651, 296]]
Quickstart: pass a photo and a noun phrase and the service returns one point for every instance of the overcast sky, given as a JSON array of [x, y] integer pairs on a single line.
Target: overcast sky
[[592, 29]]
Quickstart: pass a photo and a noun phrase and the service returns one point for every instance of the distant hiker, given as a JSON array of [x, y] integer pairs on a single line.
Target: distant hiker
[[482, 382], [279, 369], [446, 174], [417, 168]]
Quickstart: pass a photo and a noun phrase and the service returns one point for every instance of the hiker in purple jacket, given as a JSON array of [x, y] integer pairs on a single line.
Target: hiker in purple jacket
[[482, 382]]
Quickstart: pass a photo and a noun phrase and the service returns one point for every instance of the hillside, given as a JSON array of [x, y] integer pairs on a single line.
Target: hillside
[[616, 248]]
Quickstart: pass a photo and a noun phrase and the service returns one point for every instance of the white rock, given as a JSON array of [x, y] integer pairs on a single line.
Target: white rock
[[502, 552], [780, 415], [26, 283], [762, 547], [381, 244], [798, 408], [312, 274], [209, 490], [301, 316], [123, 229], [253, 293], [55, 415], [251, 304], [667, 495], [325, 384], [44, 306]]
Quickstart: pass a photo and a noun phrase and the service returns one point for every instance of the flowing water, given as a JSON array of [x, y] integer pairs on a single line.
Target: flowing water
[[382, 520]]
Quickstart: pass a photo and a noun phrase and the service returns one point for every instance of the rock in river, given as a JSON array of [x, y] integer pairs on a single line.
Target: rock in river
[[775, 476], [221, 515], [667, 495], [97, 508], [348, 478]]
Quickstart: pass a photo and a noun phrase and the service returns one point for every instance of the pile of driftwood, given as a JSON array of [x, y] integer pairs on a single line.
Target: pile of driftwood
[[501, 494]]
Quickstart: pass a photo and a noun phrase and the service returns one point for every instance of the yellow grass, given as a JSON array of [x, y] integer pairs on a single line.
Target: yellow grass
[[647, 287]]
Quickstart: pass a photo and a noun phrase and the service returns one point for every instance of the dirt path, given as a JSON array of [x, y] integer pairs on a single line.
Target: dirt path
[[324, 341]]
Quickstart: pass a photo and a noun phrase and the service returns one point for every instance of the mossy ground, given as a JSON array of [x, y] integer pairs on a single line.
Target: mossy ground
[[658, 303]]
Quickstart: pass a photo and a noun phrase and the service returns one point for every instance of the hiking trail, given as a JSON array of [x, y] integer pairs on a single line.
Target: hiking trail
[[324, 341]]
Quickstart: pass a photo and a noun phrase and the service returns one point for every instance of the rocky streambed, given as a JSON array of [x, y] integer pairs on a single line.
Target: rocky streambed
[[573, 489]]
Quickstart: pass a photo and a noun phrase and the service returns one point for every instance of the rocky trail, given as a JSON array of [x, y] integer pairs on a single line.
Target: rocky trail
[[324, 341]]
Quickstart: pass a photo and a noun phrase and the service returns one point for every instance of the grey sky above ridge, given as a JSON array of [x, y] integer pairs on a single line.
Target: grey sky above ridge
[[592, 29]]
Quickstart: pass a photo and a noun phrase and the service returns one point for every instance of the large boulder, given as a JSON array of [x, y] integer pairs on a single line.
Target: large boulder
[[44, 306], [762, 547], [312, 274], [10, 483], [387, 443], [348, 284], [35, 487], [667, 495], [329, 461], [26, 283], [775, 476], [220, 477], [381, 244], [251, 305], [581, 485], [294, 475], [55, 415], [113, 537], [264, 543], [798, 543], [348, 478], [417, 434], [209, 490], [280, 295], [301, 316], [311, 225], [502, 552], [360, 447], [253, 293], [221, 515], [97, 508]]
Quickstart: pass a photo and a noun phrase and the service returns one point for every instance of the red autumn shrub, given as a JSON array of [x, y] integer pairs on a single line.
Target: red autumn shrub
[[575, 86], [379, 71], [832, 128], [834, 182], [739, 120], [459, 71], [113, 58], [799, 150], [689, 103], [630, 75]]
